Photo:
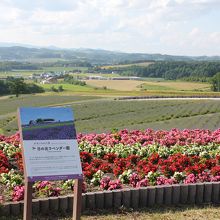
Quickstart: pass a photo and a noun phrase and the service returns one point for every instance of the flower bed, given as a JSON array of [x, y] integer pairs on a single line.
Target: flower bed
[[122, 159]]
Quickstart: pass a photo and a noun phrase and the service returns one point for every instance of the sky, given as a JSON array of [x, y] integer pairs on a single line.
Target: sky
[[58, 113], [177, 27]]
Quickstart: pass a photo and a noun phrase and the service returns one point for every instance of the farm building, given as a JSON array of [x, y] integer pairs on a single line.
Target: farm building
[[49, 80]]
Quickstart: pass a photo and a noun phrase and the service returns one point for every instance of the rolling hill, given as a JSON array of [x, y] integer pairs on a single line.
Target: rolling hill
[[94, 56]]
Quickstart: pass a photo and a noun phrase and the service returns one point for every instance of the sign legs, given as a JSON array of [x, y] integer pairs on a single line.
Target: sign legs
[[28, 201], [77, 199]]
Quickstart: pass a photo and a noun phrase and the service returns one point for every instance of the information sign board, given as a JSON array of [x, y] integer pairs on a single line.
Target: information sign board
[[49, 144], [50, 150]]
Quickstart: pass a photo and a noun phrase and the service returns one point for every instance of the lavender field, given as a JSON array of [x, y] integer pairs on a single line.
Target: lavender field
[[60, 131]]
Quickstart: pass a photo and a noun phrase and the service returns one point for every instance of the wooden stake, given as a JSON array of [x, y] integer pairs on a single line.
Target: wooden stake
[[28, 201], [77, 199]]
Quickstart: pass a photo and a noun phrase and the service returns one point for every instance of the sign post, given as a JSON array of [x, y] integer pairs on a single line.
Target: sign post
[[49, 151]]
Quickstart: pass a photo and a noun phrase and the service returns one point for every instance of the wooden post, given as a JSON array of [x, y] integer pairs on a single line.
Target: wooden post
[[77, 199], [28, 201], [27, 215]]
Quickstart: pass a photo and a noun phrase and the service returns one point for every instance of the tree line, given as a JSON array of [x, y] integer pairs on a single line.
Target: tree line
[[172, 70], [17, 86]]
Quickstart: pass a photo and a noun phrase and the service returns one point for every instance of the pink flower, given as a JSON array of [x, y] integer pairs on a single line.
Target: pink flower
[[142, 183], [18, 193], [191, 178]]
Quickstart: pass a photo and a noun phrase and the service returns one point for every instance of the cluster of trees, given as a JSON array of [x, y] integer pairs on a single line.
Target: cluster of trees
[[72, 80], [174, 70], [18, 86], [59, 89], [216, 82]]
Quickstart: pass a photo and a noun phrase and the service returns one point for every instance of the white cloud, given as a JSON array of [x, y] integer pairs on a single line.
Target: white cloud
[[167, 26]]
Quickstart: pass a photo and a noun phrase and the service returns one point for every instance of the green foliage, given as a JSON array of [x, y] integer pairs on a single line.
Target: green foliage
[[17, 86], [72, 80], [53, 89], [216, 82], [3, 88], [59, 89]]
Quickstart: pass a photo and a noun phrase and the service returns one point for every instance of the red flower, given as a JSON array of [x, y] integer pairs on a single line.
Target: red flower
[[4, 164], [106, 168], [110, 157], [215, 171], [86, 157]]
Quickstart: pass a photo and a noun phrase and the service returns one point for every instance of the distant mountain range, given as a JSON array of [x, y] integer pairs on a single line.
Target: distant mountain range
[[20, 52]]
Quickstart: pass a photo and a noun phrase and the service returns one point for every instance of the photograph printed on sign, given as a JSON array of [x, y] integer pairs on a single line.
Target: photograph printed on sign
[[47, 123]]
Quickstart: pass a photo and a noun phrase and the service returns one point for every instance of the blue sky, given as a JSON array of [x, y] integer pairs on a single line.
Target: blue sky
[[58, 113], [184, 27]]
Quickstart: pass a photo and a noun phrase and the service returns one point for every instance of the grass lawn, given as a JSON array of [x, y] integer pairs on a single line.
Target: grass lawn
[[184, 213], [162, 213]]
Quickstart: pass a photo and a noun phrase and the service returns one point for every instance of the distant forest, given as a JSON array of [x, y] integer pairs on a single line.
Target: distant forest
[[172, 70]]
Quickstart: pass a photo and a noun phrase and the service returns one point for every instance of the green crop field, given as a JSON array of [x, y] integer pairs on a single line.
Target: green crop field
[[9, 105], [106, 115], [127, 65], [60, 69], [95, 114], [68, 87]]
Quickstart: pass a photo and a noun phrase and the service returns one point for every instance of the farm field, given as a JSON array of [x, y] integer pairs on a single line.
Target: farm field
[[136, 85], [146, 87], [95, 114], [120, 85], [126, 65], [68, 87], [107, 115], [175, 85], [60, 69], [9, 105], [98, 74]]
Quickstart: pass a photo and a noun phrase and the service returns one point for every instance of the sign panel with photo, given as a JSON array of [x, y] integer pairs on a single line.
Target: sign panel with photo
[[49, 143]]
